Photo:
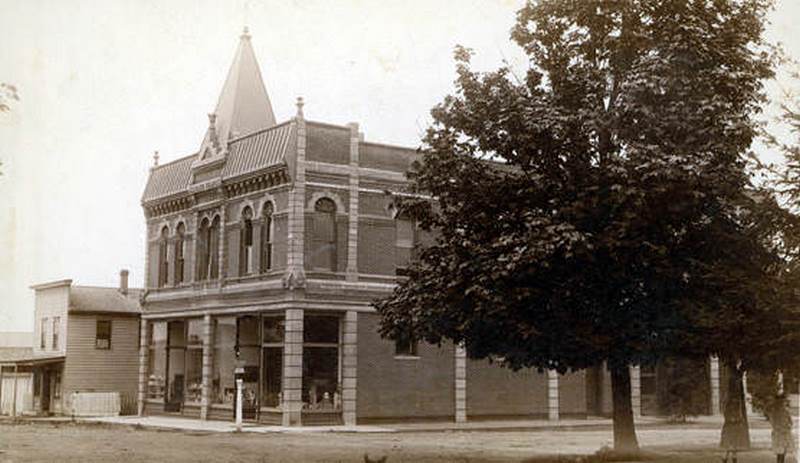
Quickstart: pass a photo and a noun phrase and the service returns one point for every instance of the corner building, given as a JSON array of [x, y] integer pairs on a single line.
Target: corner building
[[264, 251]]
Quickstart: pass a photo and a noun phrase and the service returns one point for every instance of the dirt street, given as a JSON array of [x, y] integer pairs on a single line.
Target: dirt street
[[66, 442]]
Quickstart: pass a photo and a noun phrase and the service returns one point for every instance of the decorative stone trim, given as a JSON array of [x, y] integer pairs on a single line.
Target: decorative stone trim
[[317, 195]]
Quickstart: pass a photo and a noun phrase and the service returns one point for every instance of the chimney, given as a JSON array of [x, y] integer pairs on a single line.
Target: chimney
[[123, 281]]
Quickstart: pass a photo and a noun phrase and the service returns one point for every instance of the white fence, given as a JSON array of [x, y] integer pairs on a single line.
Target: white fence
[[95, 404], [24, 393]]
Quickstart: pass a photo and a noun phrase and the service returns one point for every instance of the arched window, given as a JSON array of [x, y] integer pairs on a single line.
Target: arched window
[[266, 238], [213, 249], [202, 250], [163, 265], [246, 242], [180, 252], [324, 236]]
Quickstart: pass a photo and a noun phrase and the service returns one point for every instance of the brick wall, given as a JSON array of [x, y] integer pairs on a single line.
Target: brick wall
[[376, 247], [392, 388], [572, 394], [327, 143], [494, 391]]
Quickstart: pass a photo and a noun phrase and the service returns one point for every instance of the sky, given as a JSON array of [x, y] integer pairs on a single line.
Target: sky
[[103, 84]]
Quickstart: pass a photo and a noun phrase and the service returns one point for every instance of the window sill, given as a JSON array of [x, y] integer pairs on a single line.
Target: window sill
[[406, 357]]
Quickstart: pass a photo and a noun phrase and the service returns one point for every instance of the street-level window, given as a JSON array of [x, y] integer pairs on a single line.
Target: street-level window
[[102, 338], [405, 346]]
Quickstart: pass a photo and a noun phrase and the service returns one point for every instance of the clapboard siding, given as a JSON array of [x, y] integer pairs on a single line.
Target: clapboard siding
[[96, 370]]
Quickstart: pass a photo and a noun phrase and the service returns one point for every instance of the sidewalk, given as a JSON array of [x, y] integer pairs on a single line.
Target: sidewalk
[[592, 423]]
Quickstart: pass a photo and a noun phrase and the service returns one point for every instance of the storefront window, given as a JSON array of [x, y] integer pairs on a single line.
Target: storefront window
[[248, 347], [177, 361], [321, 363], [272, 360], [157, 365], [194, 361], [224, 361]]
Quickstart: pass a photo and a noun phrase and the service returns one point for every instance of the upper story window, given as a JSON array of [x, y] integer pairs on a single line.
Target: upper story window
[[208, 249], [43, 334], [56, 331], [405, 239], [180, 253], [266, 238], [102, 339], [246, 242], [323, 254], [163, 264]]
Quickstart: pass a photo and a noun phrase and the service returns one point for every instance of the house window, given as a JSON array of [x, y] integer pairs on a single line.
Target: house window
[[266, 239], [43, 334], [163, 264], [404, 243], [102, 338], [56, 329], [324, 237], [405, 346], [180, 252], [246, 243], [213, 249]]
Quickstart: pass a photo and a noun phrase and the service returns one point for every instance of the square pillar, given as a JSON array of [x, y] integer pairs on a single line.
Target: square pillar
[[713, 375], [460, 384], [292, 403], [352, 219], [552, 395], [636, 390], [349, 367], [205, 391], [143, 353]]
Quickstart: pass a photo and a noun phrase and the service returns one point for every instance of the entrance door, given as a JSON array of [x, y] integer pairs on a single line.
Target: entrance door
[[45, 395]]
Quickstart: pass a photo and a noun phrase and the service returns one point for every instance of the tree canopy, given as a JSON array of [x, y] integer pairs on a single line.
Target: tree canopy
[[568, 201]]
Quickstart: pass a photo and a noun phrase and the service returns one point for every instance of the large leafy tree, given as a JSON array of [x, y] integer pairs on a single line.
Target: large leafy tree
[[626, 134]]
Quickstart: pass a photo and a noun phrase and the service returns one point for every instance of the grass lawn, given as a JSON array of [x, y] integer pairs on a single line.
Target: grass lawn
[[69, 442]]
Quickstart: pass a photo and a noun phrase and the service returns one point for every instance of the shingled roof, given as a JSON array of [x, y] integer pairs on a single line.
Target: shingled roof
[[97, 299], [169, 179]]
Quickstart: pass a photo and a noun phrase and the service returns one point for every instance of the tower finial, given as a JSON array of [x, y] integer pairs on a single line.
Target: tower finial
[[300, 104], [155, 158], [245, 34]]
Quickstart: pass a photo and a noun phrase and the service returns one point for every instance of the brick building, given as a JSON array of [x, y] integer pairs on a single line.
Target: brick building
[[264, 251]]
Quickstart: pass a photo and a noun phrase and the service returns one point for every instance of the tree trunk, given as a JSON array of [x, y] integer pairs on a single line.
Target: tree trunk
[[624, 428], [735, 431]]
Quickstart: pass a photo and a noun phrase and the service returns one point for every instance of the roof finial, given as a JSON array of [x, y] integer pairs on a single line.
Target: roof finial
[[245, 34], [300, 104], [155, 158]]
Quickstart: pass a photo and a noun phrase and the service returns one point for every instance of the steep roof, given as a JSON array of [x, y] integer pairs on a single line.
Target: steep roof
[[243, 106], [104, 300]]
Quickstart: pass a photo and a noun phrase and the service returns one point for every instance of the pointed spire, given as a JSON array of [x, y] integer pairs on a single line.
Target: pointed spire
[[300, 105], [243, 106], [155, 158]]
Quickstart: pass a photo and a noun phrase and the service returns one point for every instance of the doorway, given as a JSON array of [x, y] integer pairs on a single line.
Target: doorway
[[45, 393]]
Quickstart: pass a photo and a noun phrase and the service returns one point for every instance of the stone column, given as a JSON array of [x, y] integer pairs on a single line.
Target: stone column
[[143, 353], [553, 412], [636, 390], [713, 374], [208, 343], [292, 403], [352, 222], [295, 259], [748, 398], [461, 384], [349, 367]]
